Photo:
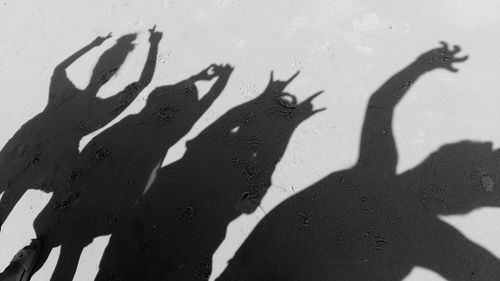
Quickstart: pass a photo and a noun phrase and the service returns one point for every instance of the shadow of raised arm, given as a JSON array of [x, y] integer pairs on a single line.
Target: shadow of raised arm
[[60, 81], [378, 148], [222, 72]]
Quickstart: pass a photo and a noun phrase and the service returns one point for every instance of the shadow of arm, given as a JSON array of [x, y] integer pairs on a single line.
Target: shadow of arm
[[60, 81], [447, 252], [378, 147], [223, 73]]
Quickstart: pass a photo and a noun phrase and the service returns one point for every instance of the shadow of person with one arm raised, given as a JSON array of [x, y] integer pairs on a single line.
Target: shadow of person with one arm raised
[[369, 223], [42, 152], [172, 233], [115, 167]]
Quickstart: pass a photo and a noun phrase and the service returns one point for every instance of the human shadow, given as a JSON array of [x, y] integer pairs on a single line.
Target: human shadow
[[173, 231], [370, 223], [114, 169], [41, 153]]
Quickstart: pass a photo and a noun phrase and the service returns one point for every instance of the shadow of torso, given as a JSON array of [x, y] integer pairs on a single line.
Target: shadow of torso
[[112, 170], [365, 224], [173, 231]]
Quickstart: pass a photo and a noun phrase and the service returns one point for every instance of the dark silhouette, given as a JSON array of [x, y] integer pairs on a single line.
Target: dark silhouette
[[54, 134], [114, 169], [369, 223], [40, 154], [173, 231], [22, 264]]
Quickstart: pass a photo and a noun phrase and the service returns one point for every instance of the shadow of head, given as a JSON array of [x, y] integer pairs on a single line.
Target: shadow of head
[[278, 86], [112, 59], [458, 178]]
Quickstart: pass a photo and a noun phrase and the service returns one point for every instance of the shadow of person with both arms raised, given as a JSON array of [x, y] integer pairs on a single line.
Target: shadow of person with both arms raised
[[369, 223], [114, 168], [40, 154], [173, 231]]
